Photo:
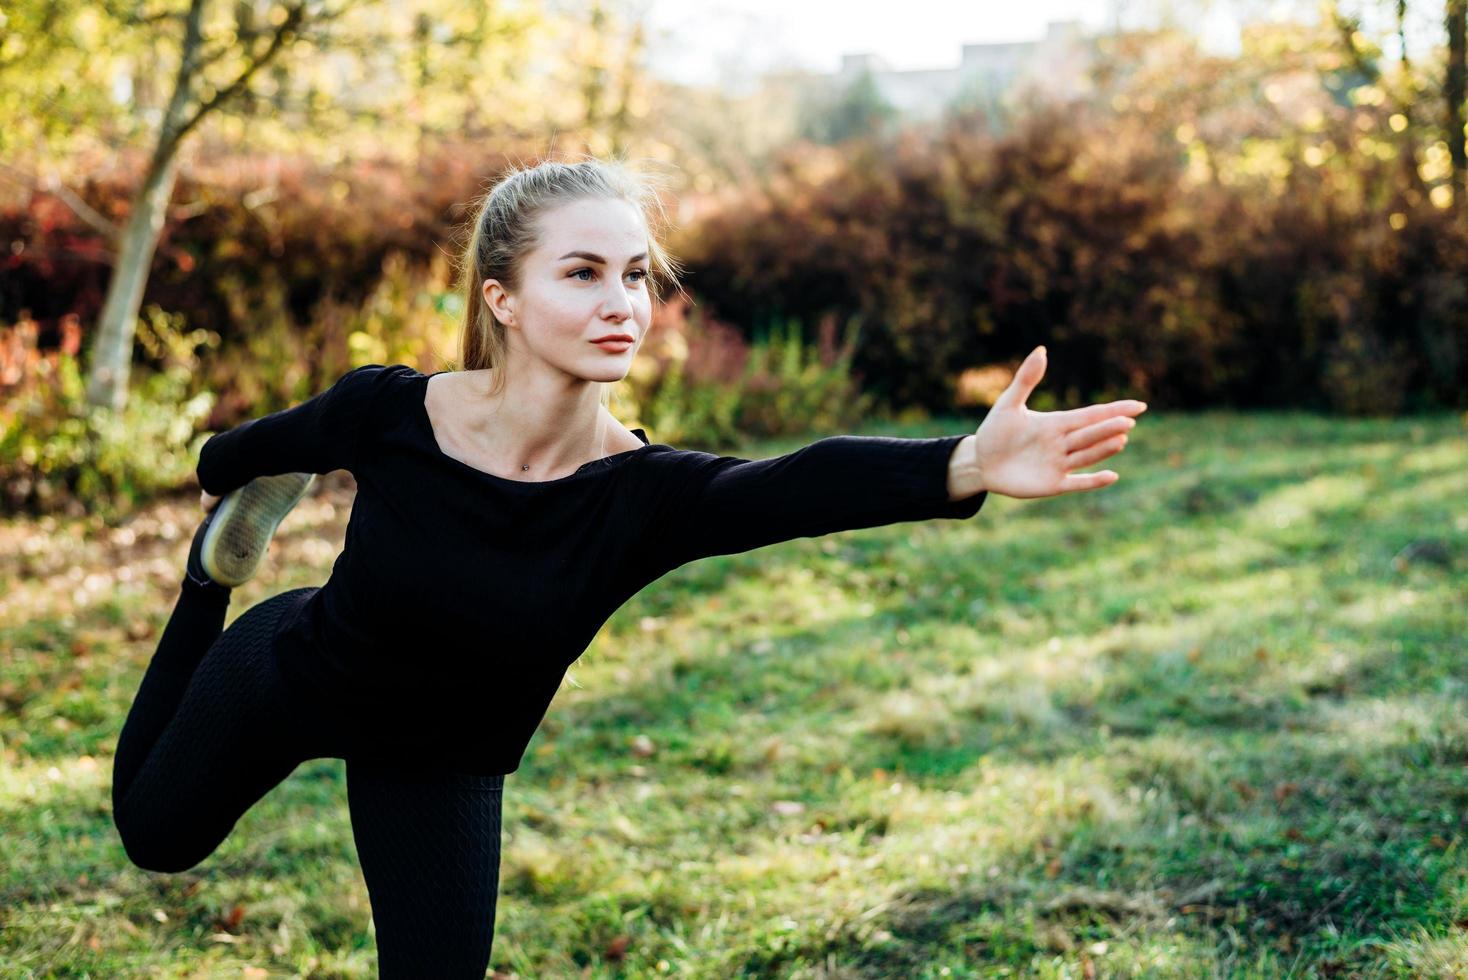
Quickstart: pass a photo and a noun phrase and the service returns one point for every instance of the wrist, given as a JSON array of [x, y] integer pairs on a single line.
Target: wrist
[[964, 477]]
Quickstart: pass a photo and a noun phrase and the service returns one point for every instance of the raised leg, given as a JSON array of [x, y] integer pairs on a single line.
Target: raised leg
[[200, 747], [196, 622]]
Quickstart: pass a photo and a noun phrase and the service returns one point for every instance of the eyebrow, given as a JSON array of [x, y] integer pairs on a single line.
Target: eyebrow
[[593, 257]]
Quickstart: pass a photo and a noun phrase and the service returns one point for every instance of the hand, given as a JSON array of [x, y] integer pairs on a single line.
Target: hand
[[1022, 453], [208, 501]]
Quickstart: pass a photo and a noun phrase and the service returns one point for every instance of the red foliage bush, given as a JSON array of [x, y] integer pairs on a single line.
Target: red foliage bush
[[239, 232], [952, 250], [963, 249]]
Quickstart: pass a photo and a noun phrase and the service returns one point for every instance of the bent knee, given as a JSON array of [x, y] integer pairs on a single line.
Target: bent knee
[[154, 851]]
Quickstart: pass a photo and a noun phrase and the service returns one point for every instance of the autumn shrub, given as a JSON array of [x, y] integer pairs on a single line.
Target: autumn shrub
[[699, 384], [789, 388], [956, 251], [408, 317], [255, 249], [57, 453], [1197, 254], [1093, 233]]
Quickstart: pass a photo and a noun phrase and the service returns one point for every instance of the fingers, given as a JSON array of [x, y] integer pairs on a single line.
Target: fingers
[[1095, 453], [1088, 481], [1091, 434], [1079, 418]]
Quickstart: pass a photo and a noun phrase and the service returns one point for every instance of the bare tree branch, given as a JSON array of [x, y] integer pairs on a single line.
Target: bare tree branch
[[246, 37], [283, 32], [129, 14], [183, 83], [1348, 26], [52, 185], [1402, 32], [1454, 93]]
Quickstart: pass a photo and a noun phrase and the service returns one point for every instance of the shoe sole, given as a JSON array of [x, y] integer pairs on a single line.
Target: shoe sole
[[238, 537]]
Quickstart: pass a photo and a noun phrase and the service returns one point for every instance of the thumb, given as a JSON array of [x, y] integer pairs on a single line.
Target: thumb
[[1025, 379]]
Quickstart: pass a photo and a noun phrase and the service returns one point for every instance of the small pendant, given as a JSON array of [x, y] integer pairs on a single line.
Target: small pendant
[[525, 467]]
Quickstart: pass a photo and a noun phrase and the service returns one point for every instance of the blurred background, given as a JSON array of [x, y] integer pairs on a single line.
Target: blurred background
[[211, 211], [1209, 721]]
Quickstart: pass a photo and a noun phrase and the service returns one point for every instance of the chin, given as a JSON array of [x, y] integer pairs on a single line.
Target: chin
[[609, 373]]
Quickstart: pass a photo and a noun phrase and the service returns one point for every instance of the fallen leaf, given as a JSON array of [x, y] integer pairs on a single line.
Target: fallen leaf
[[617, 948], [230, 922]]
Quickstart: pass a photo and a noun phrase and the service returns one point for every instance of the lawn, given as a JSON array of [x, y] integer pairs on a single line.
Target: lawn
[[1209, 721]]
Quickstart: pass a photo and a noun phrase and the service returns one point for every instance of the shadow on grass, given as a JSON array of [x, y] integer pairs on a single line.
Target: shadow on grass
[[1240, 810]]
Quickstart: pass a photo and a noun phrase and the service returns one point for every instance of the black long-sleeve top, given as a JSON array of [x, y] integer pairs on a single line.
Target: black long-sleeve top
[[461, 598]]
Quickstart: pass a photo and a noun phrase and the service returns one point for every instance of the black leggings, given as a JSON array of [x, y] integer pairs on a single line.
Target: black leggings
[[214, 727]]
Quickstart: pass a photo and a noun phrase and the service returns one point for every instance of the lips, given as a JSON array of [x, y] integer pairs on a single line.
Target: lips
[[619, 337]]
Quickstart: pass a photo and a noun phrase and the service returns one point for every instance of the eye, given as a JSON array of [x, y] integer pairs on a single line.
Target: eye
[[641, 274]]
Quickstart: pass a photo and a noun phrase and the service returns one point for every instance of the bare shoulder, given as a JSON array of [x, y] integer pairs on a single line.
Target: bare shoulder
[[447, 391]]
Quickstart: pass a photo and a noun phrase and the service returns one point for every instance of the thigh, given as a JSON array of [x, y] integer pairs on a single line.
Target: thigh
[[238, 732], [429, 845]]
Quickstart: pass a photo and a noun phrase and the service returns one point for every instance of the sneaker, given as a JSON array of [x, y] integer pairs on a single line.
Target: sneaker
[[231, 541]]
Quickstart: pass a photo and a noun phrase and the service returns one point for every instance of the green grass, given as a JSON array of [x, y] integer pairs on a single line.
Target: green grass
[[1209, 721]]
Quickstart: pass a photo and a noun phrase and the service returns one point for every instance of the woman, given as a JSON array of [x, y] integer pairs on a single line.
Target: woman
[[502, 515]]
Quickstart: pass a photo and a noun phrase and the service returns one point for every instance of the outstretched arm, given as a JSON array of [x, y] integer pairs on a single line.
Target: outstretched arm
[[719, 505], [321, 434]]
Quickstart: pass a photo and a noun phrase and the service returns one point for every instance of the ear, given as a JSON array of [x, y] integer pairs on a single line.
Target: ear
[[500, 302]]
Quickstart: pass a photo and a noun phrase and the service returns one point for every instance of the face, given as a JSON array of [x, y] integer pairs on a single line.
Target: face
[[586, 280]]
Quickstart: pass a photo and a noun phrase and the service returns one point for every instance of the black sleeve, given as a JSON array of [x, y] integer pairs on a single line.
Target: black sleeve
[[721, 505], [321, 434]]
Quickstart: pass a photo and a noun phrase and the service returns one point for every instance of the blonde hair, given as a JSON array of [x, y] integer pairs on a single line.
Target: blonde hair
[[503, 230]]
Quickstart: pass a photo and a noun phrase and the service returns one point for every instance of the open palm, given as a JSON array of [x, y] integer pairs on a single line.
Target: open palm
[[1024, 453]]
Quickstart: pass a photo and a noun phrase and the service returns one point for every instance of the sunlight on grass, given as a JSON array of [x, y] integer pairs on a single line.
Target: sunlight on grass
[[1427, 953], [1397, 720], [1423, 492], [35, 782], [1208, 722]]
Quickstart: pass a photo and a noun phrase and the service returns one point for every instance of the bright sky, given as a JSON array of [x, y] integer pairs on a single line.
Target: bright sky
[[710, 40]]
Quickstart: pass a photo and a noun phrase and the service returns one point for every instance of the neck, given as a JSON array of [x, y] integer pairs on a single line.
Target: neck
[[544, 426]]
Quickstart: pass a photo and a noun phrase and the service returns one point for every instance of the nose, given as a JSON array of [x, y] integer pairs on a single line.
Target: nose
[[618, 305]]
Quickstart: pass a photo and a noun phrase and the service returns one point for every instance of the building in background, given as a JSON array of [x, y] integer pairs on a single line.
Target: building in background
[[1054, 67]]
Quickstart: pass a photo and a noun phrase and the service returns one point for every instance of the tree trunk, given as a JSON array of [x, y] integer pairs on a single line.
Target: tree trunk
[[112, 350], [1457, 55], [111, 356]]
